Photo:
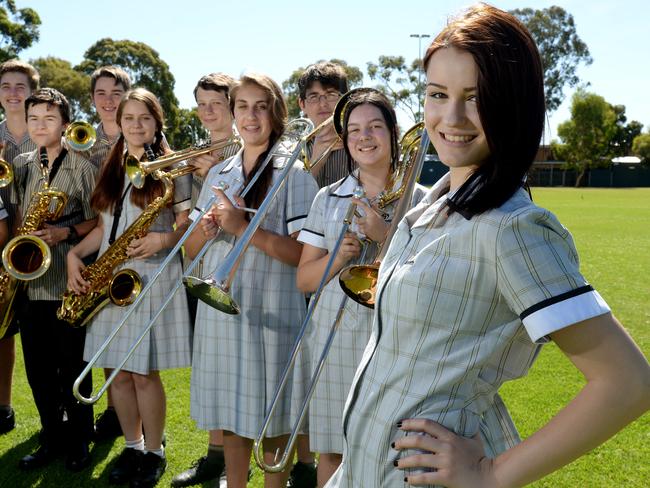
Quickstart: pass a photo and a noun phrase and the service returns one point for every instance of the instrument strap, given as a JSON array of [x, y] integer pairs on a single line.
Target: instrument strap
[[56, 164], [117, 212]]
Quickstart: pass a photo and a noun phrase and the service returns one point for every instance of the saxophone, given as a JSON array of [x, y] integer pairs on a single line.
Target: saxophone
[[124, 286], [27, 257]]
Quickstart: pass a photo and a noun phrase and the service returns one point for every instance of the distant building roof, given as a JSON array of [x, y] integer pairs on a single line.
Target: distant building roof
[[627, 160]]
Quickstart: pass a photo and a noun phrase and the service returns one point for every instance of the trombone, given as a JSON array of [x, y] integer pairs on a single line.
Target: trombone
[[258, 451], [275, 151], [137, 170], [359, 282], [215, 291]]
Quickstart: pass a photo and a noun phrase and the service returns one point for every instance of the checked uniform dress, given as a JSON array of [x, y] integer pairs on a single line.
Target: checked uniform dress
[[463, 306]]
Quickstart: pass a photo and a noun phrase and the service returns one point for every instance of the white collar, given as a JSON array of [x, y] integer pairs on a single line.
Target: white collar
[[345, 188]]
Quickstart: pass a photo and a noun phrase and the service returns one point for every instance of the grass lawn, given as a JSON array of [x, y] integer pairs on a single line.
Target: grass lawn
[[612, 232]]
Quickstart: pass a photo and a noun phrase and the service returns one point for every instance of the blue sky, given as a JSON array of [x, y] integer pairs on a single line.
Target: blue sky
[[275, 37]]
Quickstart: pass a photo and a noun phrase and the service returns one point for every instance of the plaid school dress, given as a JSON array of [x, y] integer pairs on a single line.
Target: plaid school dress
[[238, 359], [463, 306], [322, 230], [168, 344]]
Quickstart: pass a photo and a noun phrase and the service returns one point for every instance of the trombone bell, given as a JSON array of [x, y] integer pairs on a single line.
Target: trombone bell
[[210, 292], [360, 283]]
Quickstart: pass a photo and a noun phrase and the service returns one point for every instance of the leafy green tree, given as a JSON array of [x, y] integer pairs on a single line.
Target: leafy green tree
[[146, 69], [587, 135], [641, 147], [560, 48], [18, 29], [621, 144], [402, 83], [290, 85], [190, 132], [58, 73]]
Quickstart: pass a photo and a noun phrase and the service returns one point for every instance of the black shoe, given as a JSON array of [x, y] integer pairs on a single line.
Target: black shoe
[[107, 426], [41, 457], [7, 421], [202, 470], [126, 466], [303, 475], [78, 456], [152, 467]]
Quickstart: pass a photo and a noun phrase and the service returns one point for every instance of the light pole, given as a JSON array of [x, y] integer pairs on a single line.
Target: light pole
[[420, 69]]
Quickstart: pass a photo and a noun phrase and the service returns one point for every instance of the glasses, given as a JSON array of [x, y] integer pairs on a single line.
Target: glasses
[[330, 97]]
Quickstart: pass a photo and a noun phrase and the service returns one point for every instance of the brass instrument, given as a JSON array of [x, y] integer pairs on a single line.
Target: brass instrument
[[287, 455], [27, 257], [123, 287], [359, 282], [311, 165], [137, 171], [215, 291], [6, 173], [80, 136]]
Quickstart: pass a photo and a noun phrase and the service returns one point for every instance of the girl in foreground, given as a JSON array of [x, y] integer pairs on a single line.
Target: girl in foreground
[[476, 279]]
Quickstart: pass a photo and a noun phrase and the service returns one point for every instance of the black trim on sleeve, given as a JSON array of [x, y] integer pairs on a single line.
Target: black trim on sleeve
[[553, 300], [180, 201], [296, 218], [313, 232]]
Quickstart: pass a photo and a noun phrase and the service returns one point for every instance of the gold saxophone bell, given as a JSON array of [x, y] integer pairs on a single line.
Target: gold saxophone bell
[[26, 257], [80, 136], [6, 173]]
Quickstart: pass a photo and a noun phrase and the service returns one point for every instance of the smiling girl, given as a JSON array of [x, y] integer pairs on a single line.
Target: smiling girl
[[476, 279]]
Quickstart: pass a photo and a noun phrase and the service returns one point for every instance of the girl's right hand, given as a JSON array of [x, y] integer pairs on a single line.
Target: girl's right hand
[[209, 225], [350, 249], [75, 266]]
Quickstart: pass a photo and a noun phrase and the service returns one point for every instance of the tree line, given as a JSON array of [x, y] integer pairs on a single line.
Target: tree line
[[596, 132]]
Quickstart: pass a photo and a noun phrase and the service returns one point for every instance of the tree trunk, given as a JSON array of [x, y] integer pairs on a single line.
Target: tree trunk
[[581, 179]]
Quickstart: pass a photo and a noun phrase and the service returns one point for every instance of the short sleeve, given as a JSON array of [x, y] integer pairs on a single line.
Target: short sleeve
[[301, 192], [538, 274], [313, 230], [206, 190]]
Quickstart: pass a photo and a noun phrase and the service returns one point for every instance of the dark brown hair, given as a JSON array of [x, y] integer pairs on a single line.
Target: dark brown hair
[[219, 82], [18, 66], [120, 76], [328, 74], [110, 183], [510, 100], [53, 98], [278, 113], [377, 99]]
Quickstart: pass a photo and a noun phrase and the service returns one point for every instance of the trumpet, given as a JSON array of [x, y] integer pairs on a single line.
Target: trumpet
[[166, 301], [215, 291], [80, 136], [137, 171], [359, 282], [258, 451]]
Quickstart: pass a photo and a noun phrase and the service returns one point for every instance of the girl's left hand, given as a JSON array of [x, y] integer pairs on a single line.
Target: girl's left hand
[[372, 224], [230, 219], [146, 246], [455, 461]]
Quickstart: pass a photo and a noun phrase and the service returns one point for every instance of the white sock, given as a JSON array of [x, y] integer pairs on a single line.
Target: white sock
[[158, 452], [137, 444]]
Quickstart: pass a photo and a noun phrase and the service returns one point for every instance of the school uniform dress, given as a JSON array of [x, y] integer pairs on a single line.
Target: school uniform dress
[[321, 230], [463, 306], [53, 351], [168, 343], [238, 359]]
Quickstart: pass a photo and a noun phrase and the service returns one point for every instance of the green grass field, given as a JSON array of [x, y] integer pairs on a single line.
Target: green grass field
[[612, 232]]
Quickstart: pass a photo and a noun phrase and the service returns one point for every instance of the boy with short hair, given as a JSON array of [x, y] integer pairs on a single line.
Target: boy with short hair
[[53, 351], [17, 81]]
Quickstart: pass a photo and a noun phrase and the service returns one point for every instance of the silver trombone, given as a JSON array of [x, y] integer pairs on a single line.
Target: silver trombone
[[275, 151], [215, 291], [258, 452]]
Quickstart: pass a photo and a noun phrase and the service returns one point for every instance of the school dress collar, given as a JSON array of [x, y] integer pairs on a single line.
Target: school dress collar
[[345, 187]]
